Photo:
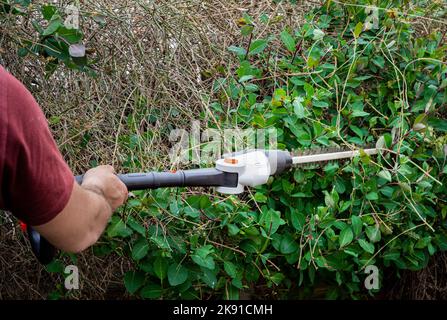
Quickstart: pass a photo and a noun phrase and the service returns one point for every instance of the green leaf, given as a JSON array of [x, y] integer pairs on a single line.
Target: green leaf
[[140, 250], [373, 233], [238, 50], [133, 280], [298, 220], [368, 247], [245, 78], [199, 202], [246, 30], [230, 269], [318, 34], [298, 107], [379, 61], [277, 278], [288, 41], [438, 124], [151, 291], [55, 266], [346, 236], [359, 113], [358, 29], [288, 244], [22, 52], [53, 26], [303, 136], [161, 267], [385, 174], [320, 104], [202, 257], [209, 277], [270, 220], [71, 35], [259, 197], [48, 11], [118, 228], [357, 225], [258, 46], [177, 274], [136, 226], [372, 196]]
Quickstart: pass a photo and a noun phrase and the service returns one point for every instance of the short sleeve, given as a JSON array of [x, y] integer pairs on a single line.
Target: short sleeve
[[37, 182]]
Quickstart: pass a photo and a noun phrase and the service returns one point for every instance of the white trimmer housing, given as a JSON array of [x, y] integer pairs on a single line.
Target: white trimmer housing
[[253, 169]]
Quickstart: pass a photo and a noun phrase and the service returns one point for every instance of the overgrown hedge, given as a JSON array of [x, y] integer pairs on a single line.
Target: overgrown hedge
[[335, 81]]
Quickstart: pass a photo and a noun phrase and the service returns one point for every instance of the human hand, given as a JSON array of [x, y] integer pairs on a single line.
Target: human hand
[[103, 180]]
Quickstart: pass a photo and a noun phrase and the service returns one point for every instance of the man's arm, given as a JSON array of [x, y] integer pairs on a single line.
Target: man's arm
[[82, 221], [36, 183]]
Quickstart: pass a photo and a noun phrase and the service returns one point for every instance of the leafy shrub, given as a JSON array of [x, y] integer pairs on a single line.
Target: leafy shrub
[[331, 82], [58, 36]]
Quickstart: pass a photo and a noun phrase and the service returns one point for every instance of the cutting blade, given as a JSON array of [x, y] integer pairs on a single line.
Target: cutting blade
[[313, 156]]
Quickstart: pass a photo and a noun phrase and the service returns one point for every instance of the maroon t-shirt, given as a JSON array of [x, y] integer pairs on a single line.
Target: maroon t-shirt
[[35, 181]]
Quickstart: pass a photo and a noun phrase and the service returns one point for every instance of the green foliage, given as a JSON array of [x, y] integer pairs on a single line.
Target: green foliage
[[335, 82], [59, 37], [331, 82]]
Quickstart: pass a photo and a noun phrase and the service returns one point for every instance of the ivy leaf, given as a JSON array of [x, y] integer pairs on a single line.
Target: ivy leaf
[[203, 258], [373, 233], [385, 174], [288, 244], [177, 274], [270, 220], [358, 29], [372, 196], [118, 228], [303, 136], [379, 61], [298, 107], [346, 236], [133, 280], [151, 291], [209, 277], [54, 24], [258, 46], [230, 269], [368, 247], [238, 50], [288, 40], [259, 197], [48, 11], [298, 220], [357, 225], [161, 268], [359, 113], [140, 249], [318, 34]]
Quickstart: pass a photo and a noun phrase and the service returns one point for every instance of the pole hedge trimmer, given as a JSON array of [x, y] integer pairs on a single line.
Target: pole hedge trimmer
[[230, 175]]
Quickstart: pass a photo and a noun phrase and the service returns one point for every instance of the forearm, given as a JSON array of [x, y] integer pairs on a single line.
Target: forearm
[[95, 213], [81, 222]]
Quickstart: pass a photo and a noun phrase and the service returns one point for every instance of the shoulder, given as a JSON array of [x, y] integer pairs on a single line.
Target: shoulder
[[21, 109], [16, 95]]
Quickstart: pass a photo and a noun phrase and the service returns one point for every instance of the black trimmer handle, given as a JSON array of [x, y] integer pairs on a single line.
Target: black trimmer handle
[[45, 252], [183, 178]]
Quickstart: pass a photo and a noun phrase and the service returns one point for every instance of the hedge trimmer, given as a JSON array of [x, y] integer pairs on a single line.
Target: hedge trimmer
[[230, 175]]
